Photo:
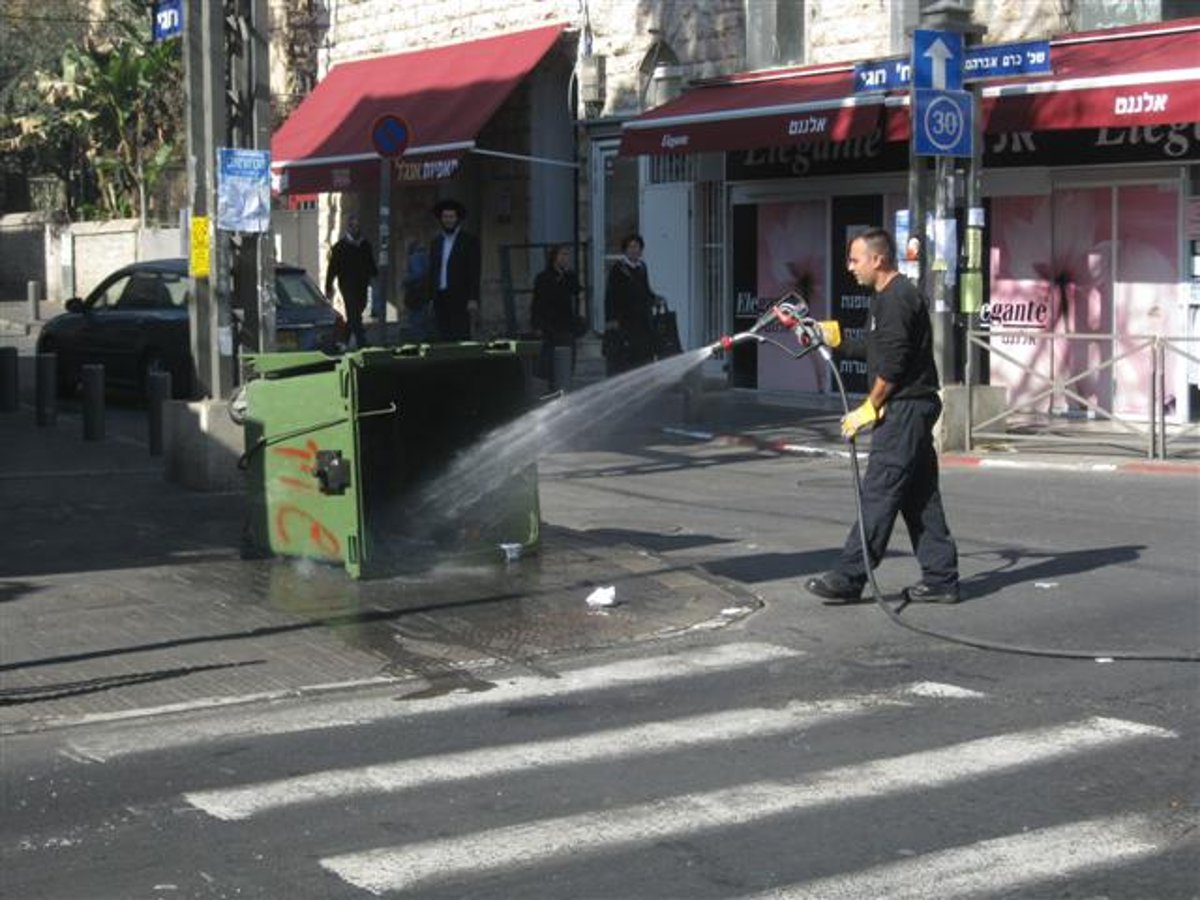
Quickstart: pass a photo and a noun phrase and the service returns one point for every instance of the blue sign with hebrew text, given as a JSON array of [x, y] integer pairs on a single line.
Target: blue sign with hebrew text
[[168, 19]]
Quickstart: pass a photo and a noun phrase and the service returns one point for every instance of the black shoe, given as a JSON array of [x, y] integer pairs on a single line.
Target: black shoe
[[923, 593], [835, 587]]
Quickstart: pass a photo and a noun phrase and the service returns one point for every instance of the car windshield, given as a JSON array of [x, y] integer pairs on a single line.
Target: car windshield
[[297, 289]]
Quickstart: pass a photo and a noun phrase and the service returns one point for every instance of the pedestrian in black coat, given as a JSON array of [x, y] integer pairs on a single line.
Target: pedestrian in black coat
[[629, 310], [454, 273], [352, 266], [553, 313]]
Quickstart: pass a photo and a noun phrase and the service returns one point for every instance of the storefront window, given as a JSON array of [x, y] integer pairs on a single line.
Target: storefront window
[[1093, 14], [774, 33]]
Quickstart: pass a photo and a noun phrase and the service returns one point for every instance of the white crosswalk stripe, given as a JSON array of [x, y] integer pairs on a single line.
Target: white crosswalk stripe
[[133, 738], [612, 744], [988, 867], [430, 862]]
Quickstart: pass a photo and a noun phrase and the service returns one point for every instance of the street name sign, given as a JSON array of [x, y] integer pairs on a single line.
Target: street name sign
[[168, 19], [882, 75], [979, 63], [1008, 60]]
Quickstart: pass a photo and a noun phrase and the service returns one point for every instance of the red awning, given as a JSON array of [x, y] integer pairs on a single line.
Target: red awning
[[1135, 76], [445, 95], [1144, 75], [757, 110]]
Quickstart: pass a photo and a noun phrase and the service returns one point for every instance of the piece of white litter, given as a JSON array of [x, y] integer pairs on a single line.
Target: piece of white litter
[[1104, 659], [1045, 585], [602, 596], [735, 611]]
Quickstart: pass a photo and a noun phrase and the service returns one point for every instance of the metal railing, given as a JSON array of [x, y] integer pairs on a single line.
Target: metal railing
[[1026, 421]]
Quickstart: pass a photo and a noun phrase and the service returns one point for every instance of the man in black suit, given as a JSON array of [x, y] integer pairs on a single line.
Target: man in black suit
[[454, 273]]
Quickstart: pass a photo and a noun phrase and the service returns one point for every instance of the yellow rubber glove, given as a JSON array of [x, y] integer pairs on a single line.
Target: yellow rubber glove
[[865, 416], [831, 332]]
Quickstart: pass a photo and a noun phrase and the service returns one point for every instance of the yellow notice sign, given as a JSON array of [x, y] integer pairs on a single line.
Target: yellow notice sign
[[971, 292], [198, 262]]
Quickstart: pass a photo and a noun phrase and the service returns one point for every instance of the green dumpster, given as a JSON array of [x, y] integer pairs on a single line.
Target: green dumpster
[[345, 455]]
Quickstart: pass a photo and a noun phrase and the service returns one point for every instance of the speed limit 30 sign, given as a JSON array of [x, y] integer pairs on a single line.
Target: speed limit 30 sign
[[943, 122]]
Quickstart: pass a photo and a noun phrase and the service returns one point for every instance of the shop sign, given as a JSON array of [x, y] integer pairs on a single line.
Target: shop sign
[[429, 170], [1023, 313], [1136, 143], [871, 153]]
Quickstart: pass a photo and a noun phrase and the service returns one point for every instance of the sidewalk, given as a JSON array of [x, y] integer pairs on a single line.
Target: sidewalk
[[742, 417], [737, 417], [123, 595]]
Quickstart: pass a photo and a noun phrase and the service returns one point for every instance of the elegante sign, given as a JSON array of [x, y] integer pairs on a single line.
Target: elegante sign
[[1139, 143]]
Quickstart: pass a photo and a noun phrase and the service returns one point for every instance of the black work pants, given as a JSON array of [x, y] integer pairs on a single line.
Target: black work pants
[[354, 321], [902, 477]]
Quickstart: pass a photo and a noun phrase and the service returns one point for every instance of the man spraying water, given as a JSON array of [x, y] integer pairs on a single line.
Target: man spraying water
[[902, 407]]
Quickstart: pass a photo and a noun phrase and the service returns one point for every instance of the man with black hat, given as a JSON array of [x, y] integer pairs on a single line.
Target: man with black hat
[[454, 273]]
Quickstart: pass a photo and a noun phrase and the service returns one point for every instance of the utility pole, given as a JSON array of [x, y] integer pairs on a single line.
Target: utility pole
[[246, 30], [228, 103], [934, 195], [211, 332]]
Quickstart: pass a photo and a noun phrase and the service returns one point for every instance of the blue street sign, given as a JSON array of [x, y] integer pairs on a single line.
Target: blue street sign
[[168, 19], [882, 75], [981, 62], [1008, 60], [937, 60], [943, 123]]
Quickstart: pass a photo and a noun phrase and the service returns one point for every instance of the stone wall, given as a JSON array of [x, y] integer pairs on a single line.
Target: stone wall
[[842, 30], [1022, 20], [23, 251]]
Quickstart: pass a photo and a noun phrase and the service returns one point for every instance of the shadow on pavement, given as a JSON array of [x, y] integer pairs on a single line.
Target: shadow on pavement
[[1027, 566]]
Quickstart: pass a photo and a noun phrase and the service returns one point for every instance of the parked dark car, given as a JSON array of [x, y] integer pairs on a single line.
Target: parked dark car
[[136, 322]]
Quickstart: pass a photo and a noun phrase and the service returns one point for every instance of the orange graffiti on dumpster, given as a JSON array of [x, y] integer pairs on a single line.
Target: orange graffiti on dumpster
[[292, 523], [320, 538]]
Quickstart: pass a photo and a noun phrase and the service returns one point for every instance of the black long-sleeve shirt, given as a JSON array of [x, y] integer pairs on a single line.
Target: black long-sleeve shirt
[[899, 344]]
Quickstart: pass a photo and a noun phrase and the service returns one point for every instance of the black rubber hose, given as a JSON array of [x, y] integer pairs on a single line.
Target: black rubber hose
[[964, 640]]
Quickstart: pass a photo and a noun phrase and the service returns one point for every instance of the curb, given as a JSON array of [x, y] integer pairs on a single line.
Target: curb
[[947, 460]]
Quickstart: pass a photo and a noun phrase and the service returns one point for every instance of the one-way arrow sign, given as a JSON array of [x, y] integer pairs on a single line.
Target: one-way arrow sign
[[938, 53], [937, 60]]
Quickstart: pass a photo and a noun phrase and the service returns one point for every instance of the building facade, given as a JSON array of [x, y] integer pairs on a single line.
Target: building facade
[[1088, 200]]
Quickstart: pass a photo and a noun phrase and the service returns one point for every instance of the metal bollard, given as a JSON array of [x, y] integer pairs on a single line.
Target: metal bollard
[[33, 294], [93, 402], [45, 389], [9, 378], [158, 390]]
